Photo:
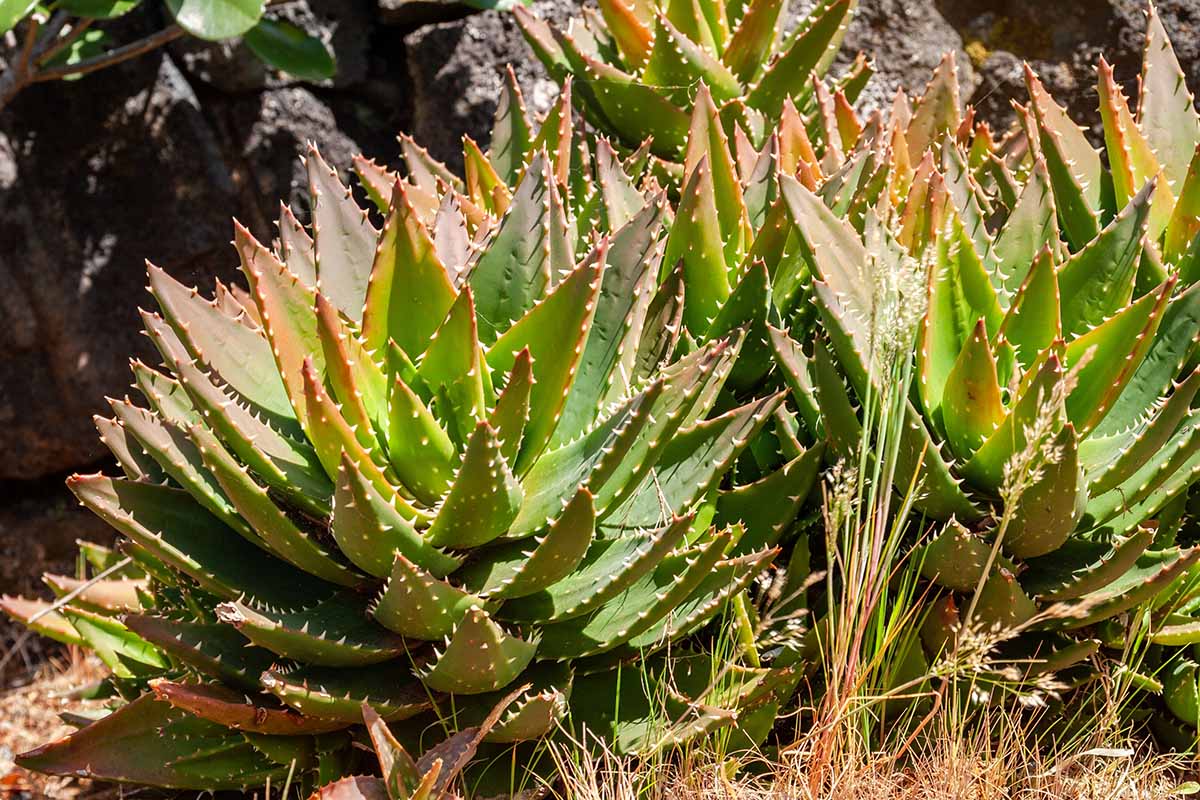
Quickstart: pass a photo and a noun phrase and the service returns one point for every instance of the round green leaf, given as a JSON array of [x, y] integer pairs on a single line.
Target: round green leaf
[[12, 12], [216, 19], [285, 47], [98, 9]]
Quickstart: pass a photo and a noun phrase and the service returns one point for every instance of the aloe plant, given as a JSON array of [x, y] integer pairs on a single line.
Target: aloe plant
[[1050, 417], [638, 64], [417, 466]]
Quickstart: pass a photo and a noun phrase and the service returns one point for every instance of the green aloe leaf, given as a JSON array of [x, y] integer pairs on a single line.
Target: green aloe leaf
[[1045, 514], [679, 66], [480, 658], [753, 39], [1165, 113], [343, 239], [340, 692], [417, 605], [972, 404], [484, 499], [512, 134], [805, 55], [334, 632], [938, 111], [523, 568], [174, 528], [232, 709], [695, 242], [1081, 566], [370, 531], [555, 331], [410, 290], [211, 649], [1030, 230], [149, 742], [1098, 280], [767, 507], [1033, 320]]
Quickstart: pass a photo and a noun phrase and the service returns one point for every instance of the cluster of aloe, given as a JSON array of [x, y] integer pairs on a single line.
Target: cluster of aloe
[[534, 432], [638, 65], [414, 467], [1050, 422]]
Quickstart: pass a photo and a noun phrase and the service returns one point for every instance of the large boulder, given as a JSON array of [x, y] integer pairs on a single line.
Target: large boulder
[[98, 176], [457, 70]]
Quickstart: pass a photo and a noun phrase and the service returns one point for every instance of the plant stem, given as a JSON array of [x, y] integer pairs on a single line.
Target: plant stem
[[124, 53]]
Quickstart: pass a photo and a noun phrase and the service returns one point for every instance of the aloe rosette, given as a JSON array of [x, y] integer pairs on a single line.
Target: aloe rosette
[[637, 64], [416, 467], [1060, 319]]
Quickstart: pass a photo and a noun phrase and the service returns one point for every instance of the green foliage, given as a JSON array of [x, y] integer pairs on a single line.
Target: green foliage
[[418, 466]]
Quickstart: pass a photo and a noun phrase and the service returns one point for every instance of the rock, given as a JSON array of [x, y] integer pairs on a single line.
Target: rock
[[100, 175], [1063, 50], [343, 25], [906, 39], [456, 70]]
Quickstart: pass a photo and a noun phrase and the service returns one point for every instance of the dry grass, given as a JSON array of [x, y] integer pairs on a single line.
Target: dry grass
[[31, 703], [942, 774]]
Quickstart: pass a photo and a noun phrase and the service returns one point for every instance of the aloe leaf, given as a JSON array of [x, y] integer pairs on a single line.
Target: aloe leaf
[[629, 31], [1033, 322], [707, 141], [1165, 113], [955, 558], [691, 465], [1131, 159], [707, 600], [370, 531], [419, 448], [660, 331], [1152, 573], [126, 654], [410, 290], [1045, 514], [1074, 167], [637, 608], [175, 529], [211, 649], [340, 692], [1003, 605], [480, 657], [231, 709], [1082, 566], [608, 568], [514, 269], [344, 239], [453, 361], [149, 742], [938, 111], [627, 106], [171, 448], [240, 355], [1174, 456], [695, 241], [1030, 230], [804, 56], [484, 499], [135, 462], [109, 597], [524, 568], [1098, 280], [568, 310], [288, 465], [417, 605], [333, 632], [972, 404], [679, 65], [767, 507], [355, 380], [272, 527], [608, 353], [1172, 344], [753, 39], [38, 617], [1118, 346]]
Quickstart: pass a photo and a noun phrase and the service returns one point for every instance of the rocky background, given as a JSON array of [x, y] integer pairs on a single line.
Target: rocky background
[[151, 159]]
